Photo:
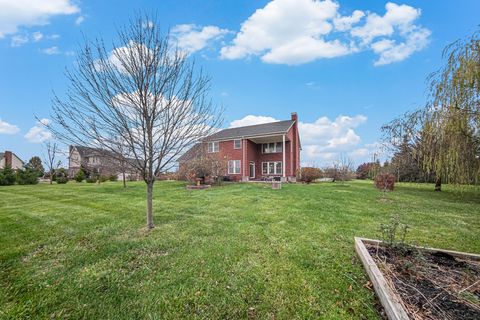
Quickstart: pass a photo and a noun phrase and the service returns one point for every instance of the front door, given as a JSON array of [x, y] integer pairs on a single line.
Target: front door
[[252, 170]]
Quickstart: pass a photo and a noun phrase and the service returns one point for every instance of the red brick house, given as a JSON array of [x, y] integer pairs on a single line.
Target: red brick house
[[258, 152]]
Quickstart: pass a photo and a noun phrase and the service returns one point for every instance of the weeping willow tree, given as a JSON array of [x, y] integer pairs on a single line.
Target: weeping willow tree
[[446, 133]]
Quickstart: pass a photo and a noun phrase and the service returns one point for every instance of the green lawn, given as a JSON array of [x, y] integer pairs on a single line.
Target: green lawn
[[239, 251]]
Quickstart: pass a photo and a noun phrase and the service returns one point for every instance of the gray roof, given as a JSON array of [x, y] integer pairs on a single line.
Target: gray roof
[[250, 131], [2, 155]]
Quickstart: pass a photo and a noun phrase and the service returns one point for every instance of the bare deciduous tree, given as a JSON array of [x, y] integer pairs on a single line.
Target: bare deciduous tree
[[50, 158], [145, 93]]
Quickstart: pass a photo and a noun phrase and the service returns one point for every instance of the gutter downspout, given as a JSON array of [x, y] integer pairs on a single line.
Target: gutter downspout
[[283, 154]]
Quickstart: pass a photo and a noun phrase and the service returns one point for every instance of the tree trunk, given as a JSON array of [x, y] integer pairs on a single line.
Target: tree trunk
[[124, 181], [150, 224], [438, 184]]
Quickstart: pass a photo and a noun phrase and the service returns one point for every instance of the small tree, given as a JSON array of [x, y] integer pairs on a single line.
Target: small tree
[[364, 171], [145, 93], [51, 158], [80, 175], [35, 163], [7, 176]]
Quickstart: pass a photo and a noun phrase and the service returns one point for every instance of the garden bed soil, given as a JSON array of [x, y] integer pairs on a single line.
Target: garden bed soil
[[431, 284]]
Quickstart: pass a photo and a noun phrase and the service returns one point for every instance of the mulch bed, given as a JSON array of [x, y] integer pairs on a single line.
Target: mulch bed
[[432, 285]]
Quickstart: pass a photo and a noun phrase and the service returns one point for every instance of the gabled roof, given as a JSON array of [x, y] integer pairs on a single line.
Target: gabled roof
[[278, 127], [192, 153]]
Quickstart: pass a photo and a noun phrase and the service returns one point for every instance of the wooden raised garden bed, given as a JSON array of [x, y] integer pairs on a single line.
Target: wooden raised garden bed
[[422, 283]]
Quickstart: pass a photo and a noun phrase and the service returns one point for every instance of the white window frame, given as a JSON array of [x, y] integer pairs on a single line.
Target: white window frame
[[240, 144], [211, 147], [277, 147], [275, 171], [234, 166]]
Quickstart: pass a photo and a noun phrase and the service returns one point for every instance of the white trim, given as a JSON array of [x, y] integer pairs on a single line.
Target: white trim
[[254, 169], [234, 166], [274, 147], [274, 168], [283, 154], [213, 143], [234, 146]]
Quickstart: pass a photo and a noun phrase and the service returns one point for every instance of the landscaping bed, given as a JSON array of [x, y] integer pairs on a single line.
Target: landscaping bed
[[428, 283]]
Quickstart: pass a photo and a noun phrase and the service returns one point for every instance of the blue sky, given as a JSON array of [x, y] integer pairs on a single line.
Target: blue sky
[[346, 67]]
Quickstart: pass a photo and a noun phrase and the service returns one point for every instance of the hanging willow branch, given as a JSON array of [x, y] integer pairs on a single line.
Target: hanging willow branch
[[446, 133]]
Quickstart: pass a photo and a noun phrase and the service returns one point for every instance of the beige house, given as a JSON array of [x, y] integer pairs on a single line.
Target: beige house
[[9, 158], [99, 161]]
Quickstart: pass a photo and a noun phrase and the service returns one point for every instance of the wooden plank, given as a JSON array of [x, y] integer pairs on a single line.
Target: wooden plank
[[463, 255], [390, 301]]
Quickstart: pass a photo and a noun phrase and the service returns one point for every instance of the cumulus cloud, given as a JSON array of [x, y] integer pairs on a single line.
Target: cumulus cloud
[[7, 128], [251, 120], [38, 133], [27, 13], [192, 38], [294, 32]]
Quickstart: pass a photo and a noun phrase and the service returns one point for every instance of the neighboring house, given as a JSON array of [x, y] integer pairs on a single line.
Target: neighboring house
[[99, 161], [9, 158], [258, 152]]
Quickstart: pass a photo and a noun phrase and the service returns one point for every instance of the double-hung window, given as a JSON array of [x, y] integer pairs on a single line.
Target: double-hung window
[[234, 167], [273, 167], [272, 147], [213, 147], [237, 144]]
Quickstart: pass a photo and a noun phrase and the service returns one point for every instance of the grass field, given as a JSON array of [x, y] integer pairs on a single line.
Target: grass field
[[240, 251]]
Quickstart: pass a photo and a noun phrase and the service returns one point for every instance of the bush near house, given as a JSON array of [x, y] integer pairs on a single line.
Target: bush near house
[[7, 176], [61, 176], [309, 174], [385, 181], [80, 176], [27, 175]]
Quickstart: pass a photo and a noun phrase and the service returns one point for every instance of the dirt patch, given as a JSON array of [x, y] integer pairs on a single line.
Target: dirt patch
[[432, 285]]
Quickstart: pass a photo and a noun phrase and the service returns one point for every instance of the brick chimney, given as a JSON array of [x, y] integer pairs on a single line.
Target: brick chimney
[[294, 116], [8, 158]]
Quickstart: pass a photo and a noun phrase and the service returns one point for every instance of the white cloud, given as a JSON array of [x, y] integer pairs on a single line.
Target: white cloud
[[251, 120], [7, 128], [51, 51], [79, 20], [294, 32], [37, 36], [390, 51], [345, 23], [192, 38], [18, 40], [27, 13], [38, 133]]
